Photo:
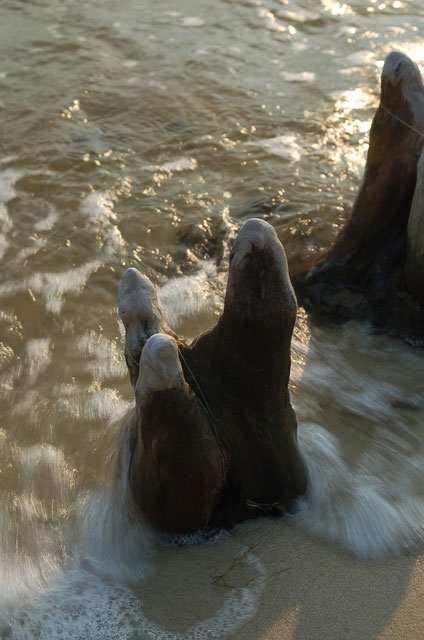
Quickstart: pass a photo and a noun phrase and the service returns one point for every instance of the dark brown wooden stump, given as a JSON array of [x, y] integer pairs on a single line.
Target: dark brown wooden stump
[[178, 471], [414, 264], [366, 274], [216, 434]]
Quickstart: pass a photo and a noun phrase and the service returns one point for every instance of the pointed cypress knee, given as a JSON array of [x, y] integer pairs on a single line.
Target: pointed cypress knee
[[242, 367], [382, 206], [362, 276], [177, 469], [139, 311]]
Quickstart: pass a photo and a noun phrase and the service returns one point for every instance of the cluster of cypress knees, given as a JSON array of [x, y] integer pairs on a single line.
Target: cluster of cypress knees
[[215, 435]]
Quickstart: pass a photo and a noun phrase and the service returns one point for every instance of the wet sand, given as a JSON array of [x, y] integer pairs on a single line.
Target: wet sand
[[288, 585], [330, 594]]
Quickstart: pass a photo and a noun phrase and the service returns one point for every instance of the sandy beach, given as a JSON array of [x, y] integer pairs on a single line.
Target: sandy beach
[[288, 585]]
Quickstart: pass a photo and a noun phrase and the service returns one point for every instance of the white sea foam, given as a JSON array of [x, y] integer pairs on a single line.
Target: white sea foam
[[192, 21], [4, 243], [356, 508], [52, 287], [98, 208], [100, 356], [364, 456], [38, 356], [8, 177], [179, 164], [113, 540], [77, 604], [299, 76], [300, 15], [187, 296], [94, 404], [23, 254], [21, 581], [337, 8], [5, 219], [47, 223], [285, 146], [86, 595], [53, 460], [359, 58]]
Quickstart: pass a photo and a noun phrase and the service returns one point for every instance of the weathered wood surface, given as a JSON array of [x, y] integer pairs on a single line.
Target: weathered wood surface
[[414, 264], [369, 273], [216, 435]]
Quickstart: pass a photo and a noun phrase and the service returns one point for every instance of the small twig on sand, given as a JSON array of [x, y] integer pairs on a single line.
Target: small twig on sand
[[219, 580]]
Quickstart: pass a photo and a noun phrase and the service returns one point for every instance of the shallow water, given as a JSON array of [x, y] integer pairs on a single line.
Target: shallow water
[[144, 134]]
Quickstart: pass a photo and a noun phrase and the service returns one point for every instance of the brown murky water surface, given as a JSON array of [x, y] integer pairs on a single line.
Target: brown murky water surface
[[143, 134]]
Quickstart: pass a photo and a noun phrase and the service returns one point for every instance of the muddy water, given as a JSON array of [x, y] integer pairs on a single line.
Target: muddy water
[[144, 134]]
